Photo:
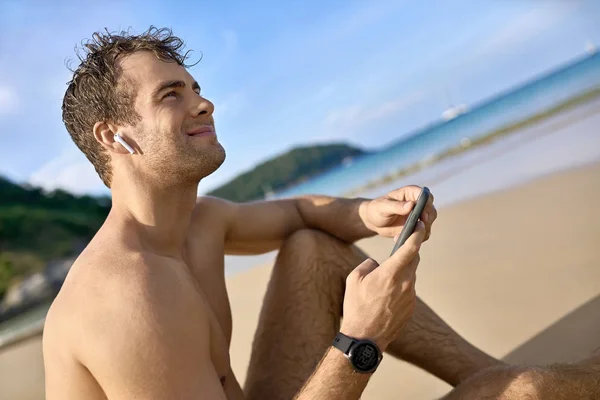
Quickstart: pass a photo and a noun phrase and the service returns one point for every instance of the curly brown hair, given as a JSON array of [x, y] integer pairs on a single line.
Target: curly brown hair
[[98, 92]]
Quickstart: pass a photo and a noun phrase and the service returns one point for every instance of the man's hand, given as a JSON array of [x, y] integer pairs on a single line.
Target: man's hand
[[387, 215], [380, 299]]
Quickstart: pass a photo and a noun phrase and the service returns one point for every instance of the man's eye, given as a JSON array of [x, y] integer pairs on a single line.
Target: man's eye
[[170, 94]]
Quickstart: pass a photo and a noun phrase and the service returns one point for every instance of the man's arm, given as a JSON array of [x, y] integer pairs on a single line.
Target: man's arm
[[334, 378], [260, 227]]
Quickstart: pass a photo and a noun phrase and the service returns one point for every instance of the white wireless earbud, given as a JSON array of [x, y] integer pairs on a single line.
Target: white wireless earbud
[[119, 139]]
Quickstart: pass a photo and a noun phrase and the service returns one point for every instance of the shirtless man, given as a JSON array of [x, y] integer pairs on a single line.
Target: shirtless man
[[144, 311]]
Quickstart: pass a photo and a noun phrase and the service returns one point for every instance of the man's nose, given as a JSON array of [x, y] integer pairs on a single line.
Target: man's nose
[[203, 107]]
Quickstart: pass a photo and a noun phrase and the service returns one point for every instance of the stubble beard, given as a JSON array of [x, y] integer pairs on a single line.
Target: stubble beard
[[185, 163]]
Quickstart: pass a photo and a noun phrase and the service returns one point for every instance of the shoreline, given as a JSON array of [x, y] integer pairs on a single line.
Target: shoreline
[[468, 144]]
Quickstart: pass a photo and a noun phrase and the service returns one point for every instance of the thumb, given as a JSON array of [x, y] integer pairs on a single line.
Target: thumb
[[365, 268]]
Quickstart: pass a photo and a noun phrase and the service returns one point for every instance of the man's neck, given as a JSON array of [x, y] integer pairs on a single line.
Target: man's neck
[[160, 215]]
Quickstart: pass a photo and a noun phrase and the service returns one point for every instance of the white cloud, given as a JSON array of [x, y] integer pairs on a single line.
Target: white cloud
[[70, 171], [526, 27], [346, 115], [358, 115], [9, 100], [344, 123]]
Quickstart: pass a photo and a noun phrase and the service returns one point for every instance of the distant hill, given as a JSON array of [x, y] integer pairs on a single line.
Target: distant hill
[[286, 170], [36, 227]]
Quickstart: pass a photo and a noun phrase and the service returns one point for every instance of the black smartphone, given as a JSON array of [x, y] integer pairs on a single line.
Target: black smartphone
[[413, 217]]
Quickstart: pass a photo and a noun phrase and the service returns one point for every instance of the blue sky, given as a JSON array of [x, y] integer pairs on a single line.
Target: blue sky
[[284, 73]]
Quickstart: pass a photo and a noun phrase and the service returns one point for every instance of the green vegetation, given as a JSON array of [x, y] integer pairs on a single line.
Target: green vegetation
[[284, 171], [36, 227], [7, 273]]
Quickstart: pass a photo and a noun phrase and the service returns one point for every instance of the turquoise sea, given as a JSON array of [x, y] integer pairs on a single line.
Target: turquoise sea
[[566, 140], [514, 105]]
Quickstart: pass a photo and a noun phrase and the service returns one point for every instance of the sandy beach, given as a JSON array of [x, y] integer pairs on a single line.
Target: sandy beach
[[516, 272]]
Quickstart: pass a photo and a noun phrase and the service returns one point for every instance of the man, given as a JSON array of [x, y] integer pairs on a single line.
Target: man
[[144, 312]]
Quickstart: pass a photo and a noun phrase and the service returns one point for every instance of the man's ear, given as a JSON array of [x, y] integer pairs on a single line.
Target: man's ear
[[104, 133]]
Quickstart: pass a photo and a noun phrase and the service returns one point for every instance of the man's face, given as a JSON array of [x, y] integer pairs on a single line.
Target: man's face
[[176, 134]]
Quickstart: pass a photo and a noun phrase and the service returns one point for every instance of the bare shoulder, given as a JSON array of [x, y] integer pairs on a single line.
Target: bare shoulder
[[130, 318], [104, 288], [214, 211]]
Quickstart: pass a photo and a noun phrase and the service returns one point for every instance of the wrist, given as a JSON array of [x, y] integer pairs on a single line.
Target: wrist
[[363, 355], [365, 334], [363, 206]]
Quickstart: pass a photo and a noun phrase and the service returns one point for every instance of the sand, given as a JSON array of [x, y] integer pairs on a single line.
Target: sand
[[516, 272]]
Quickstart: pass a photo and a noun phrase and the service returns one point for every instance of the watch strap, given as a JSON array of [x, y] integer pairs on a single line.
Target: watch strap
[[343, 343]]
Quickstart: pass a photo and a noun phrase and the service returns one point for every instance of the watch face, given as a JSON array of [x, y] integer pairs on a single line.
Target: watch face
[[365, 356]]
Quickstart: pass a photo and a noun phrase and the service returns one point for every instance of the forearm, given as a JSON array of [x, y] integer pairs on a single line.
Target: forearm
[[334, 378], [340, 217]]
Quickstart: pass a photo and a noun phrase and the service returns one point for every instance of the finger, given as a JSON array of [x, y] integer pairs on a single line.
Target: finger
[[406, 193], [418, 235], [407, 277], [363, 269], [416, 262], [409, 250], [411, 269], [414, 281], [428, 225], [429, 213], [395, 207]]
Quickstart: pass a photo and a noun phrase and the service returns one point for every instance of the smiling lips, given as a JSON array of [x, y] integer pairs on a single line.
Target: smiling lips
[[204, 130]]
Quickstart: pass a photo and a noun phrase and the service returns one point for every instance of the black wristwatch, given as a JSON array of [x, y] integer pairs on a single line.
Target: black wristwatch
[[363, 354]]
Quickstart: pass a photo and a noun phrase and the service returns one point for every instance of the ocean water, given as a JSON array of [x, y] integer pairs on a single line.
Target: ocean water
[[520, 103], [565, 140]]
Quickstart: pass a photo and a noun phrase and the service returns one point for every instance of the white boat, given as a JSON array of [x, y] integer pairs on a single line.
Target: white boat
[[454, 111]]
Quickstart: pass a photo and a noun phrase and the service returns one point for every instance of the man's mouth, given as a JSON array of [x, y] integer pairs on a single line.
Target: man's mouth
[[204, 130]]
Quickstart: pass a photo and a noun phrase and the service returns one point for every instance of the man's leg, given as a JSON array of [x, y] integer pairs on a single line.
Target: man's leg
[[301, 315], [579, 380], [429, 343]]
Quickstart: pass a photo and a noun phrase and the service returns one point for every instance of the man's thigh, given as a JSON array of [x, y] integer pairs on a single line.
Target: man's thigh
[[301, 313]]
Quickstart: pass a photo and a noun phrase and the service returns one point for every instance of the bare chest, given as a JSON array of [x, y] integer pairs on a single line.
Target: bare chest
[[205, 258]]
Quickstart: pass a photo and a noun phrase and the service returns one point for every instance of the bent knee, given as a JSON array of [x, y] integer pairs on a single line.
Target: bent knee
[[309, 239], [311, 247]]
